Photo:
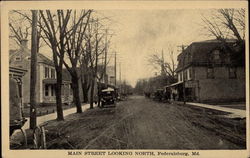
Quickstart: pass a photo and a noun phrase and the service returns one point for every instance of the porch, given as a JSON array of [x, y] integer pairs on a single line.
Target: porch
[[49, 89]]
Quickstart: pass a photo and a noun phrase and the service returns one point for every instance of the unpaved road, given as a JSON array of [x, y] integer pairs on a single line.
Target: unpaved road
[[141, 123]]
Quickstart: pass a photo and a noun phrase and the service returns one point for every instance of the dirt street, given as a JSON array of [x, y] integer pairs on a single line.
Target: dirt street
[[141, 123]]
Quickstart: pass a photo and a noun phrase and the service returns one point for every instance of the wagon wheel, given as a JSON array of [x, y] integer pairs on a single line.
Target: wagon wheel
[[24, 137], [24, 140], [39, 139]]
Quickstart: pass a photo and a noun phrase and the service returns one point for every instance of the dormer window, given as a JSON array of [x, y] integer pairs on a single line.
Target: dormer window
[[216, 55], [18, 59], [28, 58], [210, 72]]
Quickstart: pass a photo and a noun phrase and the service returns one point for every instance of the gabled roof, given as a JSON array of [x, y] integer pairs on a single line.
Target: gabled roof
[[44, 59], [26, 53]]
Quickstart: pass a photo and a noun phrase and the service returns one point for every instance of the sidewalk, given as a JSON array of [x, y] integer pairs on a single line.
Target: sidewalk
[[235, 113], [52, 116]]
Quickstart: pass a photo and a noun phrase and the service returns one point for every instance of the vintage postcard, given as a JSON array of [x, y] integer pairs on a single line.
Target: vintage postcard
[[125, 79]]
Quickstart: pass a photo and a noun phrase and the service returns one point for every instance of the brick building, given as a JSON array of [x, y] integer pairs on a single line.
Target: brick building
[[208, 73]]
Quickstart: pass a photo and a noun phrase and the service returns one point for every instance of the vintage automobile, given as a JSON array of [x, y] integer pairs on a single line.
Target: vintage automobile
[[16, 118], [158, 95], [108, 96]]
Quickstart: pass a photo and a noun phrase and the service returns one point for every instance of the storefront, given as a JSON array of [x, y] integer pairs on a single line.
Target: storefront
[[180, 90]]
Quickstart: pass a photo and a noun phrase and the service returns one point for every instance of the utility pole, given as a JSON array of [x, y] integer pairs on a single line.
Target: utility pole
[[120, 77], [183, 72], [115, 68], [96, 47], [120, 73], [162, 64], [33, 70], [105, 57]]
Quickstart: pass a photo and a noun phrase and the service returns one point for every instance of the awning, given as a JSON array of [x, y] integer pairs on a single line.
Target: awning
[[174, 84]]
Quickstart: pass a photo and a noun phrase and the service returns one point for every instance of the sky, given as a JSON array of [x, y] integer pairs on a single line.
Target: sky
[[139, 33]]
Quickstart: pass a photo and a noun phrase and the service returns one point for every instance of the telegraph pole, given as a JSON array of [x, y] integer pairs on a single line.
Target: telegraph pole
[[33, 67], [120, 73], [184, 88], [120, 77], [162, 64], [105, 57], [115, 68]]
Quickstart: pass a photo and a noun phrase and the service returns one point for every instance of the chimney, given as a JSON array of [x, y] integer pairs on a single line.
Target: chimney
[[24, 44]]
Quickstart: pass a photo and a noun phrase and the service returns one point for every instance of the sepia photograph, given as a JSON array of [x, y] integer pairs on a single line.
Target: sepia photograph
[[126, 81]]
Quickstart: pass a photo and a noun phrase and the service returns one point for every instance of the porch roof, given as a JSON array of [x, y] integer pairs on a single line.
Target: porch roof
[[53, 81], [17, 71]]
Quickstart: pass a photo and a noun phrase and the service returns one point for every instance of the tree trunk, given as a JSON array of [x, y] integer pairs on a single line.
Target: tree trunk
[[59, 109], [75, 86], [92, 92], [85, 89], [33, 71]]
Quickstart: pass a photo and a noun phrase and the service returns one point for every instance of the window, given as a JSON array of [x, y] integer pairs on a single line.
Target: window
[[46, 90], [46, 72], [179, 77], [185, 75], [180, 74], [232, 72], [210, 72], [53, 88], [52, 73], [216, 55], [190, 74], [18, 58]]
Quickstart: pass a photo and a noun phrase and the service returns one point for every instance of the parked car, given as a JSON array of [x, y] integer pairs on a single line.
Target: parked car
[[16, 118], [108, 97], [158, 95]]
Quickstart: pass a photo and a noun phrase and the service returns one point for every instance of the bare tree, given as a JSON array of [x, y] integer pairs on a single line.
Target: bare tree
[[19, 31], [20, 27], [94, 48], [225, 24], [167, 67], [75, 40], [85, 77], [54, 28]]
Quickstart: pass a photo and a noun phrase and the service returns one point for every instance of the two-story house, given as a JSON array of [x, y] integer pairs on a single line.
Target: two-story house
[[46, 76], [208, 73]]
